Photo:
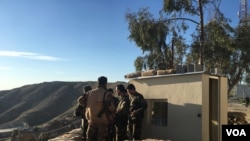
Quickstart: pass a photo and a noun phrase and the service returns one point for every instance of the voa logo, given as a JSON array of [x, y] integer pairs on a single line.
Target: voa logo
[[236, 132]]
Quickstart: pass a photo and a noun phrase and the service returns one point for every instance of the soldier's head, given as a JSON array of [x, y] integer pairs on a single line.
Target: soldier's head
[[87, 88], [109, 94], [102, 81], [131, 89], [120, 89]]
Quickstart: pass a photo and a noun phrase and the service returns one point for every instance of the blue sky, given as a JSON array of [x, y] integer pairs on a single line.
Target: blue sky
[[71, 40]]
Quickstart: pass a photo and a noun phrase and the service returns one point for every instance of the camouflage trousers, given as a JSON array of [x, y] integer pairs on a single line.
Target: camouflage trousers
[[84, 127], [97, 133], [121, 131], [112, 133], [134, 128]]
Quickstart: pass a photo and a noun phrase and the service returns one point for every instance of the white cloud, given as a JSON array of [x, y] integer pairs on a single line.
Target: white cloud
[[28, 55]]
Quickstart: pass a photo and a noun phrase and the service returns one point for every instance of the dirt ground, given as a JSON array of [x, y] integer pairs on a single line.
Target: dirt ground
[[239, 107]]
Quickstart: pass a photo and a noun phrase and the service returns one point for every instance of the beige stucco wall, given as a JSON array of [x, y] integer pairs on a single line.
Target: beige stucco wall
[[186, 95], [223, 103], [219, 99]]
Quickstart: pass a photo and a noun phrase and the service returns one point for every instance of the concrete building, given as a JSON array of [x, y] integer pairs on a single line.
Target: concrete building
[[183, 107]]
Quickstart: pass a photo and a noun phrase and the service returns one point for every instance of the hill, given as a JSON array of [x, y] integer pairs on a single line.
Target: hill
[[38, 104]]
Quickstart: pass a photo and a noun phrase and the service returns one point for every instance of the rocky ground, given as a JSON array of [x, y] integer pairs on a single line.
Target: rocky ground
[[238, 111], [74, 135]]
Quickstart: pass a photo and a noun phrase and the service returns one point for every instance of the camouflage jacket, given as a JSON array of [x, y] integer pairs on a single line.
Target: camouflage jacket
[[137, 104], [82, 100], [95, 104], [122, 110]]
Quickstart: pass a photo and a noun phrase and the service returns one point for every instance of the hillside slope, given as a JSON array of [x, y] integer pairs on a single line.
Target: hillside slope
[[37, 104]]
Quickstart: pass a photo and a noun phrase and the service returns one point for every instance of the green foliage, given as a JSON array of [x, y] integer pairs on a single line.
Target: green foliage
[[218, 42], [180, 5], [162, 39], [139, 62], [149, 35], [243, 44], [155, 38]]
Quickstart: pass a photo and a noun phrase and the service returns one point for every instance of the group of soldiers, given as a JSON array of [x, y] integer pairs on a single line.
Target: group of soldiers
[[109, 118]]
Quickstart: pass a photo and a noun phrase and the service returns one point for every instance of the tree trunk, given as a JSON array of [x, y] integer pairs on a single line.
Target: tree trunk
[[201, 33]]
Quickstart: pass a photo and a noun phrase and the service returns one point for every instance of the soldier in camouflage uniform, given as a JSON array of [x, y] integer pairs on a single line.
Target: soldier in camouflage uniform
[[122, 112], [137, 106], [112, 131], [100, 111], [82, 101]]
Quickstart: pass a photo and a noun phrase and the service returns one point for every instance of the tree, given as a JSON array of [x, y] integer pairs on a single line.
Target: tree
[[192, 7], [216, 42], [155, 38], [150, 37], [220, 49], [227, 48], [219, 44], [241, 54]]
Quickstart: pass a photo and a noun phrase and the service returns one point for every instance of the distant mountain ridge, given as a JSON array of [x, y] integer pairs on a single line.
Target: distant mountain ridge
[[37, 104]]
